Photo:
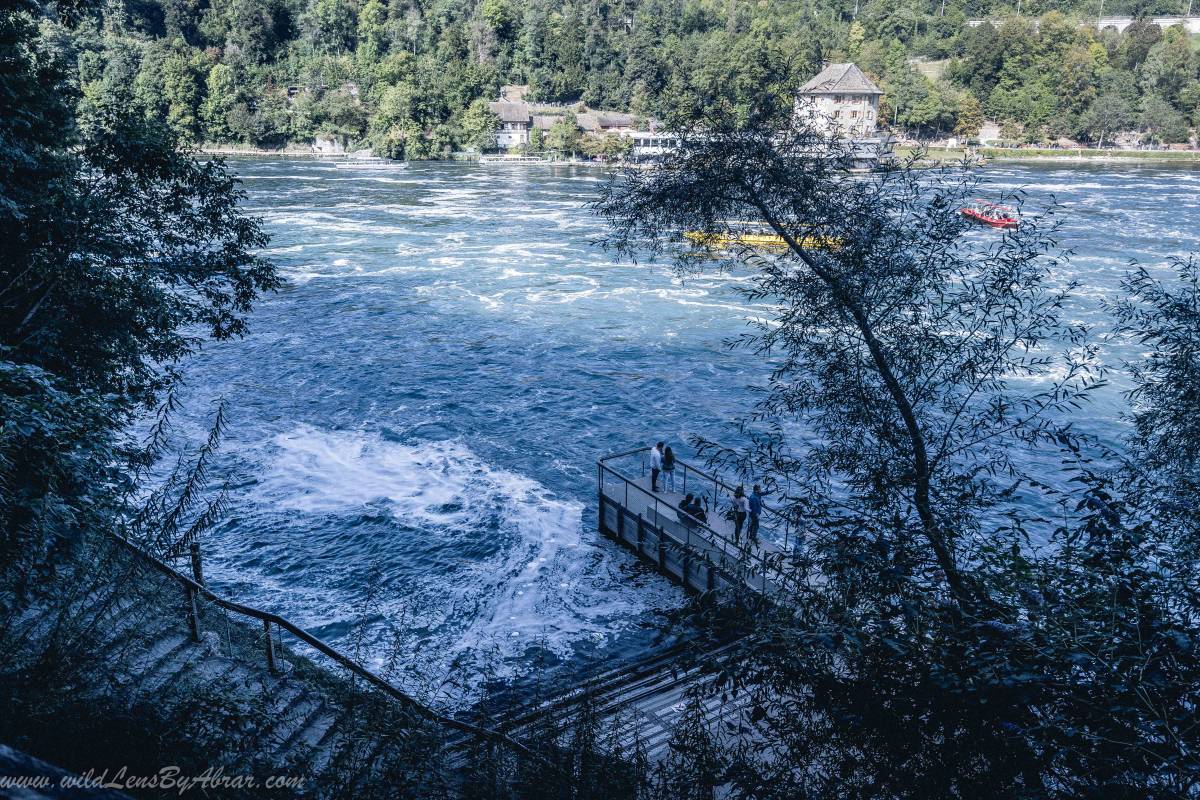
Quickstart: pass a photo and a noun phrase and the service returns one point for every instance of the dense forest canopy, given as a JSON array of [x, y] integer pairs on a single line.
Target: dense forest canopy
[[411, 77]]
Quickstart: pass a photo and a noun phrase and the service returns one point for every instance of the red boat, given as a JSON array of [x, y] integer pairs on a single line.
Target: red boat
[[993, 214]]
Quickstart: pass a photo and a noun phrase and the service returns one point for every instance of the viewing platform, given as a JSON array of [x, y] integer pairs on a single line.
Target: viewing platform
[[702, 556]]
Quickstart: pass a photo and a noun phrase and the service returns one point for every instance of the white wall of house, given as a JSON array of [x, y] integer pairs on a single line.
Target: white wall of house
[[512, 134], [840, 113]]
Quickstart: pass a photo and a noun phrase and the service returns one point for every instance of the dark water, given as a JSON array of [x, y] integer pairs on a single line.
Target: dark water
[[416, 418]]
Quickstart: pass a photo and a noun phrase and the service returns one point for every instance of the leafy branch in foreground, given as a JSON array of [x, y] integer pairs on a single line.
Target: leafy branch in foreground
[[982, 608], [122, 255], [905, 350]]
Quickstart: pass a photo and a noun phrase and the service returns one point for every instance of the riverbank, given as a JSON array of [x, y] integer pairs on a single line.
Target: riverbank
[[1077, 155]]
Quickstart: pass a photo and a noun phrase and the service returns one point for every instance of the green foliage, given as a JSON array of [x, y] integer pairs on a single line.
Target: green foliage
[[938, 635], [669, 59], [605, 147], [330, 26], [1161, 121], [219, 100], [564, 135], [970, 117], [373, 36], [479, 126], [181, 75], [122, 255], [1107, 114]]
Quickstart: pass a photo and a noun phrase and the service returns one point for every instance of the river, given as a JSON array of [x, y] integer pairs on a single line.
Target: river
[[415, 418]]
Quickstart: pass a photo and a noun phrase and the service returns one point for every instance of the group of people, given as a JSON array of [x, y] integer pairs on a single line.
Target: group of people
[[745, 508]]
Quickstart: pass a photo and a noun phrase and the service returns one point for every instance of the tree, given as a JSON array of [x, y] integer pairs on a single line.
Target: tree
[[219, 100], [536, 141], [372, 32], [1169, 66], [854, 41], [1161, 121], [329, 25], [479, 126], [1163, 319], [181, 90], [563, 136], [903, 366], [123, 254], [1108, 114], [970, 117]]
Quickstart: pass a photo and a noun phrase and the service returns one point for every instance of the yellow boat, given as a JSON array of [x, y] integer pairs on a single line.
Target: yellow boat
[[756, 239]]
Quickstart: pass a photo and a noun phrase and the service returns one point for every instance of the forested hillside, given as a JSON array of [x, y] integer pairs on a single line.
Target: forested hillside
[[410, 77]]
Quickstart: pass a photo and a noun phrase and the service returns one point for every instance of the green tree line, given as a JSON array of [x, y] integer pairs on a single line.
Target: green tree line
[[411, 77]]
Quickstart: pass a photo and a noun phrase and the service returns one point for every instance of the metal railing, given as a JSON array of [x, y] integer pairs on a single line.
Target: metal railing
[[707, 487], [769, 566], [194, 589]]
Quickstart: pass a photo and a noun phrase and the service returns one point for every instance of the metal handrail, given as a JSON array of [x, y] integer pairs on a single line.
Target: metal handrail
[[784, 518], [700, 472], [268, 618], [724, 540], [740, 553]]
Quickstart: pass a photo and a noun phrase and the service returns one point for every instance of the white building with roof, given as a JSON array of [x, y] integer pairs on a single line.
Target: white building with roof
[[841, 100], [515, 123]]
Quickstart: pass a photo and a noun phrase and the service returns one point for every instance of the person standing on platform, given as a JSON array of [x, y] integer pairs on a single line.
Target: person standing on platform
[[656, 459], [668, 469], [756, 507], [741, 509]]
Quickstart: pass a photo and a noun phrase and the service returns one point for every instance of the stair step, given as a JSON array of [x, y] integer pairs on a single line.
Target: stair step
[[145, 661], [319, 740], [310, 713], [172, 668], [283, 724], [132, 631]]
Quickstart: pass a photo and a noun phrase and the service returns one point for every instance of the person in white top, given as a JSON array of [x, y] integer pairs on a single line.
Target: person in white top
[[656, 455]]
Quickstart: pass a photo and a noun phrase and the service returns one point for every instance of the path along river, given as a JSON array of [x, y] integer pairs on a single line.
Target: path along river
[[415, 419]]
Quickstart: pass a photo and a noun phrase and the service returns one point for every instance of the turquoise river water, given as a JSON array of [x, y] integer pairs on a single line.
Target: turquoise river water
[[416, 417]]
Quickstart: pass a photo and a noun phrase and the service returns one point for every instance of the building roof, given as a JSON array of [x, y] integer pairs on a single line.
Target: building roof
[[840, 79], [543, 121], [510, 112], [614, 119]]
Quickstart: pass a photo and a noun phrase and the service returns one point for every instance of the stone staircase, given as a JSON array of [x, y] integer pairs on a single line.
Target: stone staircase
[[136, 646]]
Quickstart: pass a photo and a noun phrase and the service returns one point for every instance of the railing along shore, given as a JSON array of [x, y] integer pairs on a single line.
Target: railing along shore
[[194, 588]]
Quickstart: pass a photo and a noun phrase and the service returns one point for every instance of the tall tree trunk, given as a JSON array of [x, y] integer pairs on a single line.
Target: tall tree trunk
[[920, 455]]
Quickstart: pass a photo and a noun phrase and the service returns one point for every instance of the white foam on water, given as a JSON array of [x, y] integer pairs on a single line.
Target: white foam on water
[[541, 584], [514, 273]]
